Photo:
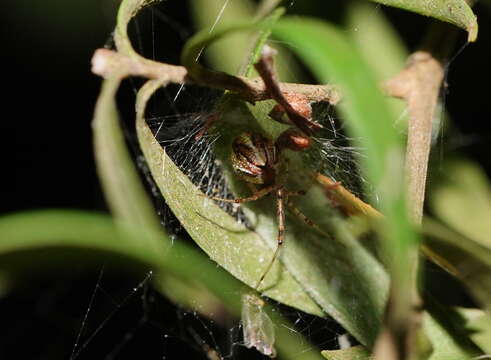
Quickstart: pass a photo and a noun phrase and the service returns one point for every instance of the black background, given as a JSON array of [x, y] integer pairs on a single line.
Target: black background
[[47, 104]]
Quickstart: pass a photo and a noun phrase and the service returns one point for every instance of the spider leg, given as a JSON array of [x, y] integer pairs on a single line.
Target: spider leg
[[266, 70], [210, 120], [296, 193], [300, 214], [295, 211], [256, 196], [280, 212]]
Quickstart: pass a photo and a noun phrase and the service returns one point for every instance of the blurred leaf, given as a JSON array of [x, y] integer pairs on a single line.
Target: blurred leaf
[[85, 235], [374, 35], [379, 42], [448, 343], [332, 58], [478, 324], [27, 236], [209, 14], [444, 345], [353, 353], [462, 199], [471, 260], [336, 272], [212, 15], [456, 12], [191, 295], [121, 183], [51, 229]]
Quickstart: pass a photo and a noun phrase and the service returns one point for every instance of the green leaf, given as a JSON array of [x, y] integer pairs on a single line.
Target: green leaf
[[335, 272], [80, 231], [209, 17], [332, 58], [449, 341], [456, 12], [117, 172], [471, 260], [240, 251], [478, 325], [462, 199], [59, 237], [374, 35], [211, 14], [352, 353]]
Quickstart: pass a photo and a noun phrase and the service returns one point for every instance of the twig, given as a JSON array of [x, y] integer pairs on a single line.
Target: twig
[[348, 202], [419, 84], [107, 62]]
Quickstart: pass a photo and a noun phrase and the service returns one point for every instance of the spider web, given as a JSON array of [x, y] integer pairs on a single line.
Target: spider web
[[176, 115], [114, 315]]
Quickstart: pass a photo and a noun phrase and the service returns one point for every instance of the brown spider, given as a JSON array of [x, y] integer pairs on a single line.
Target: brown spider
[[256, 159]]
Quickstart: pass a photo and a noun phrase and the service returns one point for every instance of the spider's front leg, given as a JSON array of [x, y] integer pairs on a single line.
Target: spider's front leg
[[295, 106], [255, 196]]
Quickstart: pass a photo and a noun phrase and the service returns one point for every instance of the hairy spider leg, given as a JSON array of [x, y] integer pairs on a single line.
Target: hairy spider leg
[[280, 213], [302, 216], [281, 199], [256, 196]]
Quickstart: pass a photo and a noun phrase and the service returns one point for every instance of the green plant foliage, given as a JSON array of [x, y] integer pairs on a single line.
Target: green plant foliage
[[123, 189], [309, 258], [478, 326], [323, 269], [462, 199], [456, 12], [56, 237], [447, 345], [243, 43], [353, 353], [219, 54], [333, 59], [472, 260], [230, 244], [381, 47]]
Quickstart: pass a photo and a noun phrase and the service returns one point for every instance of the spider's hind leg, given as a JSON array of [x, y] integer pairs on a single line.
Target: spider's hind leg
[[280, 212], [255, 196]]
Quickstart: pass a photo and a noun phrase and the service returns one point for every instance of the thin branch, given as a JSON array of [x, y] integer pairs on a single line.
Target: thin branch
[[419, 84], [106, 63], [349, 203]]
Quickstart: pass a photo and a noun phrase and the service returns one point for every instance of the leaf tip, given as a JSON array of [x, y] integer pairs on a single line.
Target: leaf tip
[[472, 30]]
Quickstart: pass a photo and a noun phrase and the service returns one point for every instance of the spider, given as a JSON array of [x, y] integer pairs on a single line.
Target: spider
[[257, 159]]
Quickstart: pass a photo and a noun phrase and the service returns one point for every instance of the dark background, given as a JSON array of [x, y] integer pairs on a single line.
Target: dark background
[[47, 102]]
